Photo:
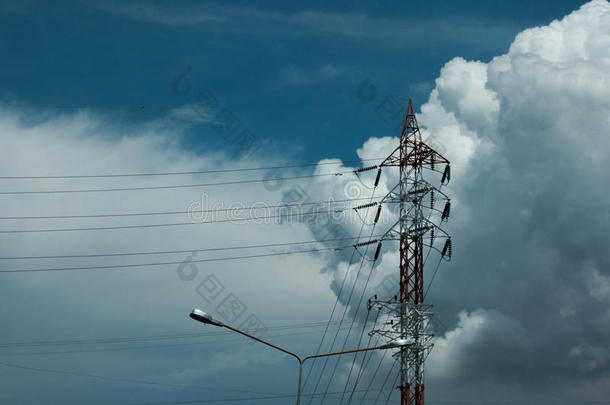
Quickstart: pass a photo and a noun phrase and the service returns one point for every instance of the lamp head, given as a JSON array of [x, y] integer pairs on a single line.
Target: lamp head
[[202, 317], [397, 343]]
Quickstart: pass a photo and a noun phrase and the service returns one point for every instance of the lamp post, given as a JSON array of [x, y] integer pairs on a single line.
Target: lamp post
[[203, 317]]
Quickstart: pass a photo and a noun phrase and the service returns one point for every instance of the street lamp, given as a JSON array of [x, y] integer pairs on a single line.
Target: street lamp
[[203, 317]]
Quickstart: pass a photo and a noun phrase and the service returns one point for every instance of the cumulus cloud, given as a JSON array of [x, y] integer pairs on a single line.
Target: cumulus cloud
[[599, 285], [456, 348], [590, 358], [527, 135], [527, 132], [147, 300], [524, 299]]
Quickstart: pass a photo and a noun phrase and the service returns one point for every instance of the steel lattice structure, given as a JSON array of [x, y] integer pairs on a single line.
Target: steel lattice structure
[[415, 230]]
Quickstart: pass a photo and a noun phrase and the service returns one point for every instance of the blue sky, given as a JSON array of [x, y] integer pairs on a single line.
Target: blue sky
[[288, 71], [515, 94]]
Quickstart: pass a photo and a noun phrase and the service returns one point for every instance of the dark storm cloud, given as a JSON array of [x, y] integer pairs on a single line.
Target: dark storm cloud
[[533, 243]]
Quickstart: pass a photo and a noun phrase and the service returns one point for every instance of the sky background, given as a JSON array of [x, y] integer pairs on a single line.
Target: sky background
[[289, 72], [515, 94]]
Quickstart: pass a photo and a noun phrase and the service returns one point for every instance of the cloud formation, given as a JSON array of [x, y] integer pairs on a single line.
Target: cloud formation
[[524, 303], [147, 300], [527, 134]]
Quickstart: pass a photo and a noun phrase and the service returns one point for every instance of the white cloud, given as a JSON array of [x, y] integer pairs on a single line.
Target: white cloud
[[451, 352], [300, 77], [146, 300], [590, 358], [599, 284], [189, 113], [527, 135], [461, 87]]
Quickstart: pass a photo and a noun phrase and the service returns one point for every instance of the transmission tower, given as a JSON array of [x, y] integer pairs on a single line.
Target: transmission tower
[[417, 229]]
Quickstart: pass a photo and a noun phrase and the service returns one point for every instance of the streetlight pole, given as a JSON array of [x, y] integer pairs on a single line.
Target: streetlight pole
[[203, 317]]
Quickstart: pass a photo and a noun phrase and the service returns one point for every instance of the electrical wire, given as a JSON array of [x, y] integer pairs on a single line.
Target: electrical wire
[[257, 206], [433, 276], [126, 380], [355, 316], [200, 401], [359, 345], [146, 382], [381, 360], [138, 381], [215, 221], [385, 381], [364, 362], [117, 254], [388, 400], [393, 385], [129, 348], [329, 321], [347, 335], [347, 307], [361, 333], [342, 318], [89, 176], [336, 364], [331, 316], [372, 378], [112, 340], [222, 183], [332, 313], [217, 259]]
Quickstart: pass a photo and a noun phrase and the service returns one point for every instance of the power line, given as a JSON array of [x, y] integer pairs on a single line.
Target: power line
[[128, 348], [433, 276], [89, 176], [393, 385], [214, 221], [120, 266], [372, 378], [385, 381], [331, 317], [388, 400], [257, 206], [126, 380], [354, 360], [478, 402], [363, 364], [174, 251], [144, 382], [223, 183], [201, 401], [112, 340], [347, 308]]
